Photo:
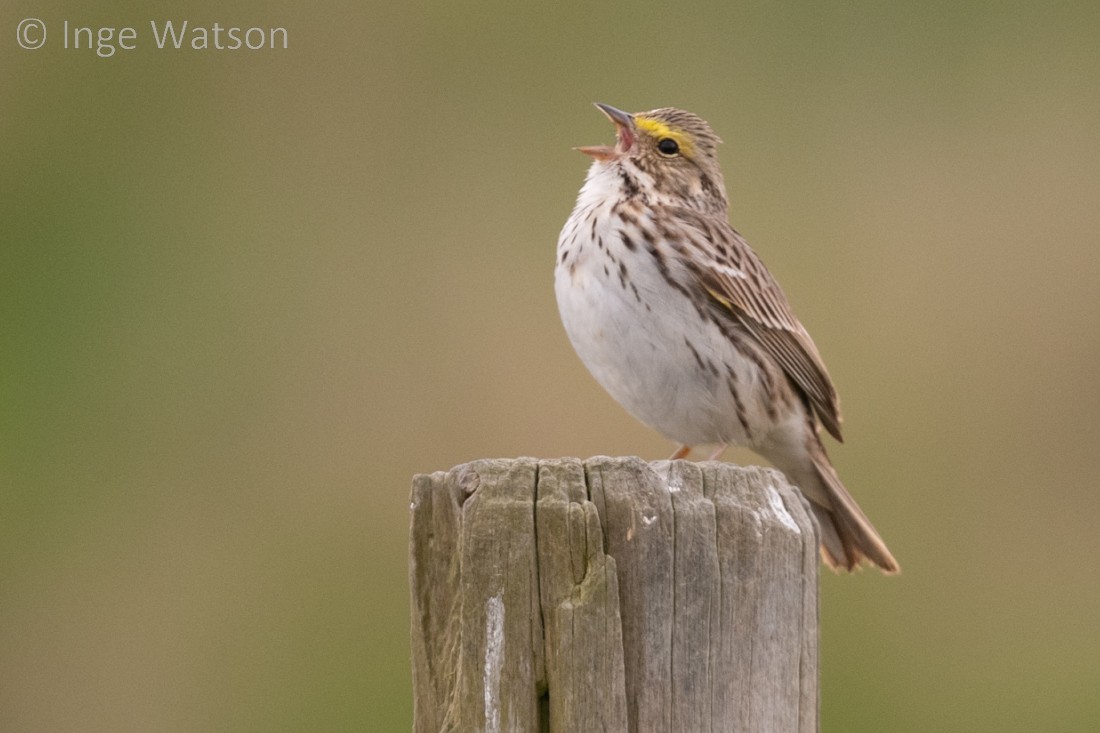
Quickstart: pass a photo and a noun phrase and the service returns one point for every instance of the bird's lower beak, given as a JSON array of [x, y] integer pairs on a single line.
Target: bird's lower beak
[[624, 130]]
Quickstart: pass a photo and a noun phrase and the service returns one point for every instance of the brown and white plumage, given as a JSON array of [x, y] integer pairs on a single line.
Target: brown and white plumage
[[680, 321]]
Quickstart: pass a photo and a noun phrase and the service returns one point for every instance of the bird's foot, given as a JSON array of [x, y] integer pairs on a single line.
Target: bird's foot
[[681, 452], [717, 452]]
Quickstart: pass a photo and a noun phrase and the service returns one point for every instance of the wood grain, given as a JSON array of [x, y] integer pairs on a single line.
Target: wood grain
[[612, 595]]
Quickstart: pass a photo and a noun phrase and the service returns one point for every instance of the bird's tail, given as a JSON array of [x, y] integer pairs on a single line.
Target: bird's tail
[[847, 536]]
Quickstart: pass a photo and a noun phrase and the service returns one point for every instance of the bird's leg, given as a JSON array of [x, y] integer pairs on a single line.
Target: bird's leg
[[718, 451], [681, 452]]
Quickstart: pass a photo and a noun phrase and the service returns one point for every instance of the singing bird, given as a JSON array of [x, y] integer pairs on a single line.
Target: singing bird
[[678, 319]]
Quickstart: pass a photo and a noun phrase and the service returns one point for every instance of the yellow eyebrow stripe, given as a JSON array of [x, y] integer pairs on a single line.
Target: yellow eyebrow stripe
[[657, 130]]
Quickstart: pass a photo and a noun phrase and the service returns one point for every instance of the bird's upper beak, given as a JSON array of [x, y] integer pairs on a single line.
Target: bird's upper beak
[[624, 129]]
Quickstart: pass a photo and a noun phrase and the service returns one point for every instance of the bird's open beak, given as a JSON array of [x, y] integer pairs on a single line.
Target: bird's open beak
[[624, 129]]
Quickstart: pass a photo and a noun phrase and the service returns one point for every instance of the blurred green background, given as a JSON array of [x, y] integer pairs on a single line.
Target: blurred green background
[[244, 296]]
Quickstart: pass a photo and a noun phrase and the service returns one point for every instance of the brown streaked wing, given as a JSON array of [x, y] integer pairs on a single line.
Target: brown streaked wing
[[758, 303]]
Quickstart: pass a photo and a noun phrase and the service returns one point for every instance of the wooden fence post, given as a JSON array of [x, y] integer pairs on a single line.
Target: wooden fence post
[[612, 595]]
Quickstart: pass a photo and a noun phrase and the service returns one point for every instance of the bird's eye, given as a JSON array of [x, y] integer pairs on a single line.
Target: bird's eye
[[668, 146]]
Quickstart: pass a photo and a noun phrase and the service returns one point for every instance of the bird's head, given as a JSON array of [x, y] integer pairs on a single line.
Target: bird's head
[[673, 152]]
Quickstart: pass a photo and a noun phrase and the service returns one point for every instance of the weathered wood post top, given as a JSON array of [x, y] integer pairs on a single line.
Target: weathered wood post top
[[612, 595]]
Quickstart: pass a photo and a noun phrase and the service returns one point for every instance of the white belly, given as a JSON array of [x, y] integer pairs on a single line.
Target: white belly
[[669, 368]]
